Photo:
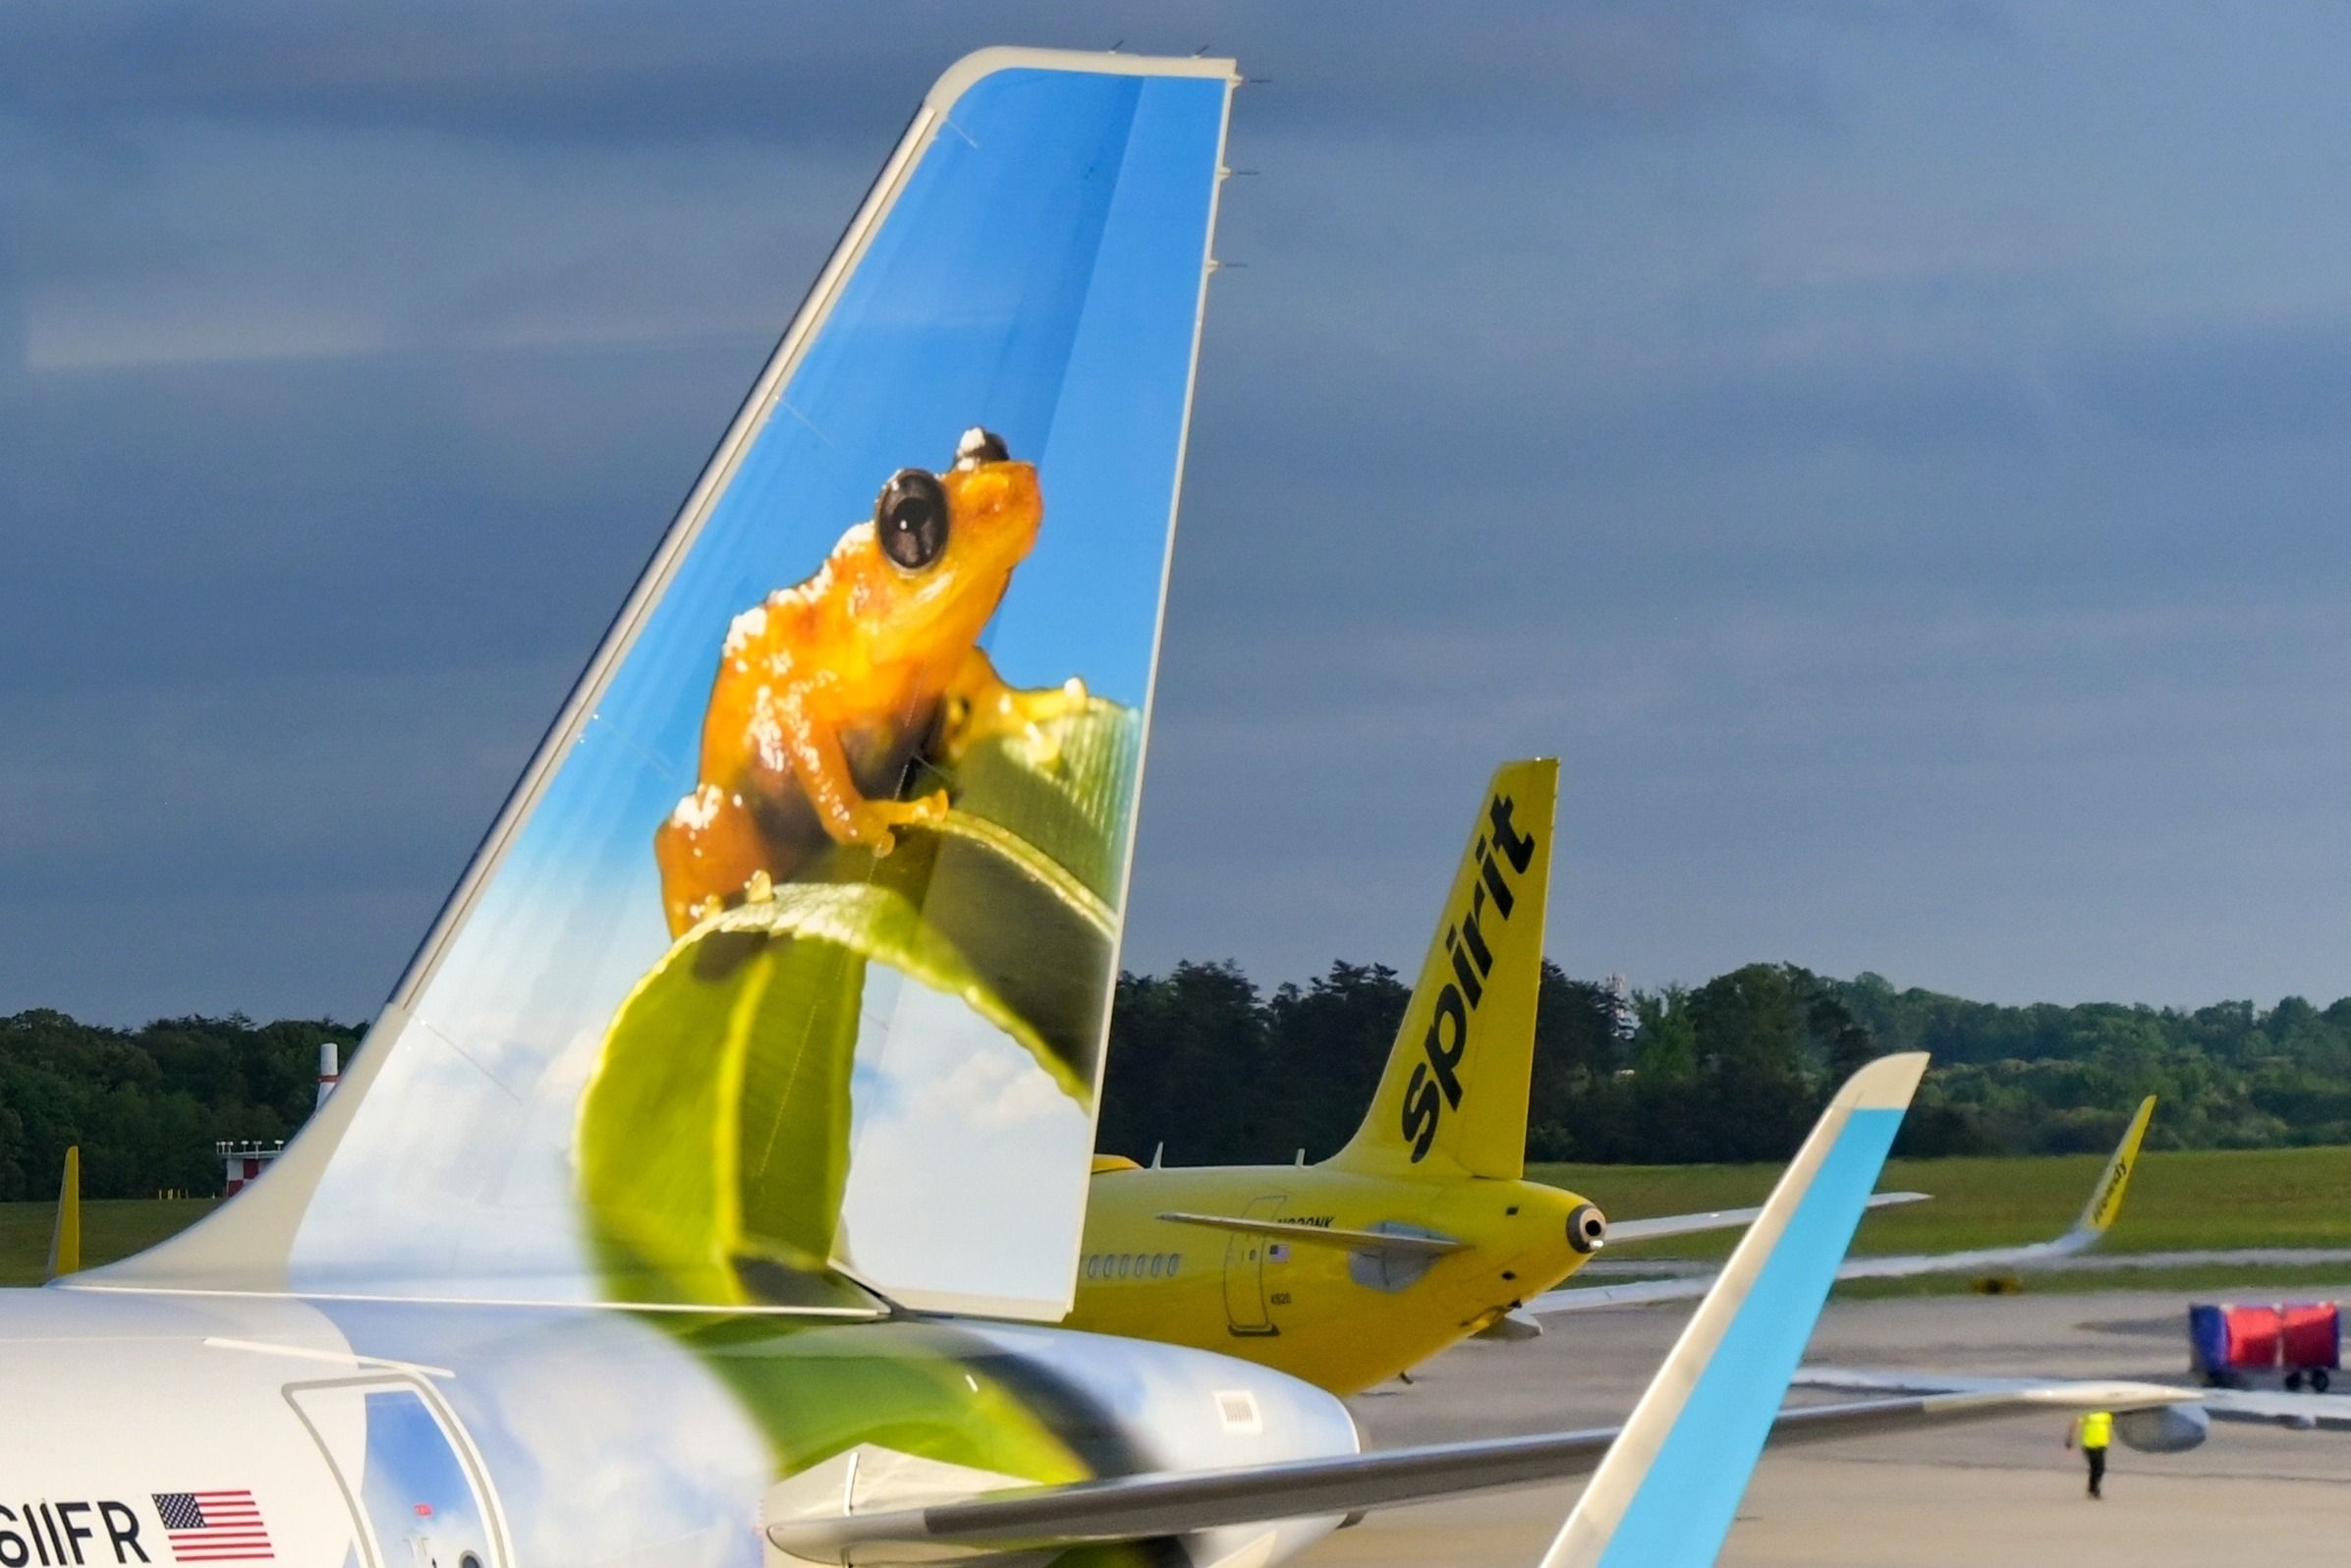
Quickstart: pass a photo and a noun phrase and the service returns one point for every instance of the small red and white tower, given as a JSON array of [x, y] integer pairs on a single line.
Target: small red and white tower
[[243, 1161]]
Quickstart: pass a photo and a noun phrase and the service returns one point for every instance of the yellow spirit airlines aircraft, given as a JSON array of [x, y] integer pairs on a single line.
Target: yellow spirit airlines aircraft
[[703, 1192], [1422, 1230]]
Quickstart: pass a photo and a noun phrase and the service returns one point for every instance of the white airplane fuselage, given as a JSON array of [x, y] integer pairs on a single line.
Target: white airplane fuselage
[[163, 1428]]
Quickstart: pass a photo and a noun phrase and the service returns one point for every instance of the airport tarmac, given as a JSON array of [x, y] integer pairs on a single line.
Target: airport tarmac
[[2004, 1491]]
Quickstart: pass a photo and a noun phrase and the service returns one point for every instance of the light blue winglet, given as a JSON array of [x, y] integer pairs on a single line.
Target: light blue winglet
[[1665, 1496]]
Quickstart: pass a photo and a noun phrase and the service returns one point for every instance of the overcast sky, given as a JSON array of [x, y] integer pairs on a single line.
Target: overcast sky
[[1898, 456]]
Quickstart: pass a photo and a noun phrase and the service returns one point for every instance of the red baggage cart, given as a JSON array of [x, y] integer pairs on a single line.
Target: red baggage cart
[[2288, 1346]]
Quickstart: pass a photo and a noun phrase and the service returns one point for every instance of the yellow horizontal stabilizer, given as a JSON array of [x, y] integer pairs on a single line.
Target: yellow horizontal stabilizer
[[1354, 1241]]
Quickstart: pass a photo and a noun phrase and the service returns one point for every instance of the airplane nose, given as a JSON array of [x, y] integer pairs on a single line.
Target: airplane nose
[[1586, 1228]]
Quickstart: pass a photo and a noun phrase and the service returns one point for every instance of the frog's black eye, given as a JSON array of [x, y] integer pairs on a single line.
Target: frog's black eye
[[911, 520], [980, 446]]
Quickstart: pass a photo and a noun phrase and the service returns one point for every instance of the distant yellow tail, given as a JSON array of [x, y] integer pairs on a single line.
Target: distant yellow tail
[[1454, 1092], [64, 1242], [2105, 1198]]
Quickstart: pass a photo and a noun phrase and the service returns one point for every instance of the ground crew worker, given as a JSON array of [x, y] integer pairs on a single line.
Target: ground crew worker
[[2095, 1430]]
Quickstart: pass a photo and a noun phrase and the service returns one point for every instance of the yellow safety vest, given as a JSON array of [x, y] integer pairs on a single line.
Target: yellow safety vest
[[2098, 1428]]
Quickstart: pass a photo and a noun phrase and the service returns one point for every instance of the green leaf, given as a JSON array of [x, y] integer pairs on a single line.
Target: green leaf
[[713, 1138], [921, 1387], [722, 1088], [1073, 810]]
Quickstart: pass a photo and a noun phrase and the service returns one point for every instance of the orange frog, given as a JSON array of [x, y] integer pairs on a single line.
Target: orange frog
[[831, 694]]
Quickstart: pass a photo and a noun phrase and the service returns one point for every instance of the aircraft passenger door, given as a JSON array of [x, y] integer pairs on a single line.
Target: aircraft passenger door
[[418, 1492], [1244, 1271]]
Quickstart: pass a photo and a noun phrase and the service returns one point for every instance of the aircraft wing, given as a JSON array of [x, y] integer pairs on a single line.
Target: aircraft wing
[[2096, 1219], [1673, 1474], [1354, 1241], [2303, 1412], [1633, 1230], [1137, 1507], [1437, 1246]]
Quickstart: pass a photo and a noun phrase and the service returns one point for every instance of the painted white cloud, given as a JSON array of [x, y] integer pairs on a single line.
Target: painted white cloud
[[968, 1170]]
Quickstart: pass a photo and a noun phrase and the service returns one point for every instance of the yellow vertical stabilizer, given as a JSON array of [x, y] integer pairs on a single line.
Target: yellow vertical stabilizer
[[64, 1242], [1454, 1092]]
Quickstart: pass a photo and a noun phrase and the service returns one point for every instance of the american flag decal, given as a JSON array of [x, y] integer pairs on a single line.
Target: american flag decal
[[213, 1526]]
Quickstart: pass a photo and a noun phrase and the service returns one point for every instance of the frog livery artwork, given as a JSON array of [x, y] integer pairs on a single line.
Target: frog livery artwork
[[830, 690], [871, 792], [786, 967]]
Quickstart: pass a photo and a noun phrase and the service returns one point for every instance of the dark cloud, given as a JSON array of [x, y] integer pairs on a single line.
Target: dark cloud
[[2265, 382], [348, 515], [528, 71], [266, 842], [1916, 521], [752, 68]]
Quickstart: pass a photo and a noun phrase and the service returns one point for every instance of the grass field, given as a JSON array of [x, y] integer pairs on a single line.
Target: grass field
[[111, 1228], [2177, 1201]]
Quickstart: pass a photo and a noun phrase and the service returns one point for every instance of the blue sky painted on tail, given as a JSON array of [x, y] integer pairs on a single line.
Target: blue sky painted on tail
[[1893, 454]]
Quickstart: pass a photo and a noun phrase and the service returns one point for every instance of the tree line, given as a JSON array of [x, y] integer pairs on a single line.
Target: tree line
[[1220, 1071], [147, 1104], [1217, 1070]]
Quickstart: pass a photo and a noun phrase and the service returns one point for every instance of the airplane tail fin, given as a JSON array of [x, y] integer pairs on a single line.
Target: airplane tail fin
[[1666, 1493], [2105, 1198], [782, 978], [65, 1241], [1454, 1089]]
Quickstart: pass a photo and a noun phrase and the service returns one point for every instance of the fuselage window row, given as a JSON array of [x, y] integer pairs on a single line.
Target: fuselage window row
[[1133, 1266]]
